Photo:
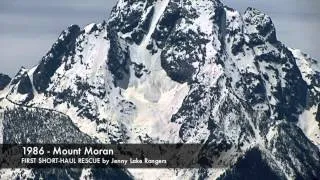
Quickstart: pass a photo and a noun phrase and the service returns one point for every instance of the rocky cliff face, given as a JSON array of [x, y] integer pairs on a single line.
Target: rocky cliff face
[[185, 71], [4, 81]]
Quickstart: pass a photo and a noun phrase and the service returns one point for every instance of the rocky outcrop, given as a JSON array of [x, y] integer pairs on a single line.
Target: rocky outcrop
[[4, 81]]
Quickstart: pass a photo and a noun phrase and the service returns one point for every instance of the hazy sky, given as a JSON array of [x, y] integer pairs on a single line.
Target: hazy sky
[[28, 28]]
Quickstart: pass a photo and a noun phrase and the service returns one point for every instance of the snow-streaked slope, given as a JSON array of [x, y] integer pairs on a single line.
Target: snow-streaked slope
[[310, 70], [309, 125]]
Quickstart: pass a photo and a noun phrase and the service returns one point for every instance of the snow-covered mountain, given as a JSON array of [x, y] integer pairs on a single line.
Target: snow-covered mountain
[[172, 71]]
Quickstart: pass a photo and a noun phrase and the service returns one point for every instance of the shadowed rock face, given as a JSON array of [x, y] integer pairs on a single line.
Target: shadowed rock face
[[245, 89], [4, 81], [52, 61], [25, 87], [246, 169]]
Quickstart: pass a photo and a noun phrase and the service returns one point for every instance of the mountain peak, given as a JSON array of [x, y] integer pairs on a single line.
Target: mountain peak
[[260, 24], [53, 59]]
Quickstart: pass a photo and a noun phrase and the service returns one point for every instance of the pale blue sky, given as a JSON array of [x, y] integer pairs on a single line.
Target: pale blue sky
[[28, 28]]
